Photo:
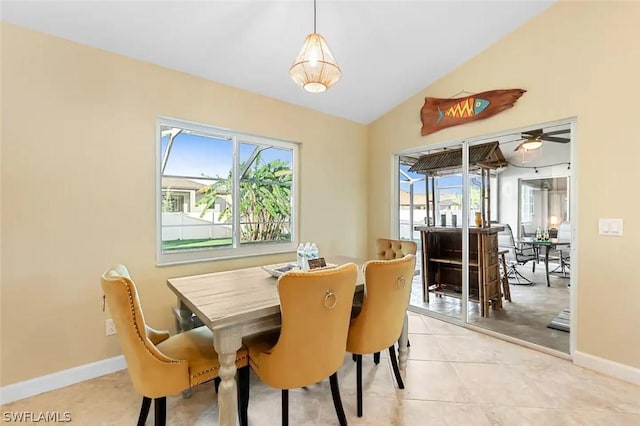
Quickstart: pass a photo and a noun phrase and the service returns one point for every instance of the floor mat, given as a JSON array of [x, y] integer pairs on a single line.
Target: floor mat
[[562, 322]]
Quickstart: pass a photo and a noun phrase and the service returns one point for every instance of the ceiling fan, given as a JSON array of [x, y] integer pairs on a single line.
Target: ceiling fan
[[533, 139]]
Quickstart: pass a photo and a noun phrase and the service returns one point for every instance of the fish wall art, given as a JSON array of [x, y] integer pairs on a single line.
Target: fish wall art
[[437, 114]]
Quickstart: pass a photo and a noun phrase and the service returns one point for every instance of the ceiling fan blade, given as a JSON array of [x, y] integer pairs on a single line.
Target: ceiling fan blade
[[554, 139], [532, 133], [557, 132]]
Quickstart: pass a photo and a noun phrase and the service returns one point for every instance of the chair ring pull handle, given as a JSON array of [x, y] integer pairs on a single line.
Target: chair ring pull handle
[[328, 297], [400, 282]]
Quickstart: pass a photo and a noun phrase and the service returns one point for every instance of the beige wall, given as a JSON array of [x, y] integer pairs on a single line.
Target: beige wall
[[78, 189], [575, 59]]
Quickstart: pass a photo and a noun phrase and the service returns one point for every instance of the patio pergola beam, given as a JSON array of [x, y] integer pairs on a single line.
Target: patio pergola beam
[[174, 132]]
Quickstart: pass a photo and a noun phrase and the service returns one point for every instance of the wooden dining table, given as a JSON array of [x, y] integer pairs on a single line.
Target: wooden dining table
[[238, 303]]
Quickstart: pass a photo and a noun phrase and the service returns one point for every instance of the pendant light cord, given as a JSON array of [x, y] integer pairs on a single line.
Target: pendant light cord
[[314, 16]]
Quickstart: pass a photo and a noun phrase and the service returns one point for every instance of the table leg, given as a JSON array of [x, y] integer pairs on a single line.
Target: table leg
[[227, 342], [547, 249], [403, 351], [185, 317]]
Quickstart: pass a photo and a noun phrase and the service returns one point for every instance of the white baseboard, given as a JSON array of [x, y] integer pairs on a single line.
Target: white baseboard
[[605, 366], [60, 379]]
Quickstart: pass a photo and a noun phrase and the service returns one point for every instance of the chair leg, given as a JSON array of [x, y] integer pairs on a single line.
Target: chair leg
[[144, 410], [353, 357], [337, 401], [243, 395], [376, 358], [359, 384], [160, 411], [517, 275], [285, 407], [216, 383], [394, 364]]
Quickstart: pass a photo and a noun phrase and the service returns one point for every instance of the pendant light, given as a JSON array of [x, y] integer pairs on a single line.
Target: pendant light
[[315, 69]]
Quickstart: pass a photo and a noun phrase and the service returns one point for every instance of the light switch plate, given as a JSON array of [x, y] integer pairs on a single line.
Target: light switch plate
[[612, 227]]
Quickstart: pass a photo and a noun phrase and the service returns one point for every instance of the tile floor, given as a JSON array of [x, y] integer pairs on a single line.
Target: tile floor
[[454, 376]]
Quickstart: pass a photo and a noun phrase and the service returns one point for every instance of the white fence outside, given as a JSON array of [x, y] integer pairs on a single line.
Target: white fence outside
[[418, 219], [189, 226]]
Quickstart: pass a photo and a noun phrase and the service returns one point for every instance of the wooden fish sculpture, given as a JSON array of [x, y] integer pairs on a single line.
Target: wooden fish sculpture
[[437, 114]]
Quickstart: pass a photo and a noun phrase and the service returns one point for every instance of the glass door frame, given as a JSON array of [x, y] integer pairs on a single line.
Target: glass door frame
[[395, 224]]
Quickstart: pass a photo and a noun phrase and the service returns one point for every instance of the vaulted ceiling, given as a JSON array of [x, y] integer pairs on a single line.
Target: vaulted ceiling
[[387, 50]]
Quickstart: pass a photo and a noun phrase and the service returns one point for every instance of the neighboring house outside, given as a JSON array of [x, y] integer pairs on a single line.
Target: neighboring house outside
[[183, 218]]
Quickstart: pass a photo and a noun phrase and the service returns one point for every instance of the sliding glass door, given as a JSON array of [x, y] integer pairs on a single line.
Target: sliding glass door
[[493, 221], [430, 212]]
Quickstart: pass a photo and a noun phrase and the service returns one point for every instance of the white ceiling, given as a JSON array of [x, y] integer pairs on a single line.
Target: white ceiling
[[387, 50]]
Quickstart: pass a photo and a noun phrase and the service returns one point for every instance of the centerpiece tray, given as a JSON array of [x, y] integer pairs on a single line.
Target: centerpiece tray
[[277, 269]]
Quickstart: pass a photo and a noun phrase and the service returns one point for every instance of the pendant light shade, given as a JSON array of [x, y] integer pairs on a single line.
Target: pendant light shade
[[531, 145], [315, 68]]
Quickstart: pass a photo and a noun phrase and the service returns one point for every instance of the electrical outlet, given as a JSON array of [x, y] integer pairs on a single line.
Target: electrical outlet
[[110, 327]]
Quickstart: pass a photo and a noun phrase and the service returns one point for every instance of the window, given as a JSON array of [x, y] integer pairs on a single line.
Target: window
[[223, 194], [528, 203], [171, 202]]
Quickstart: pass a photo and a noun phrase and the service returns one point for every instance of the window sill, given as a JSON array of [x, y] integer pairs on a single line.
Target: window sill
[[197, 256]]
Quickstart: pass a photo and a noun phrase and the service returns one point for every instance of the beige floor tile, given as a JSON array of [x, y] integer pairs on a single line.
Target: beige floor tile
[[441, 327], [426, 348], [477, 347], [377, 380], [418, 413], [376, 411], [502, 384], [500, 415], [573, 387], [418, 326], [305, 405], [434, 381]]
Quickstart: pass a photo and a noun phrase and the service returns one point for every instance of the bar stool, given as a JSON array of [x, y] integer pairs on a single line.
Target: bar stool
[[504, 276]]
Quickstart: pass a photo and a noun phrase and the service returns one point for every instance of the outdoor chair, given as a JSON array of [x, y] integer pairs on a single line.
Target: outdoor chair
[[562, 252], [517, 255], [527, 230]]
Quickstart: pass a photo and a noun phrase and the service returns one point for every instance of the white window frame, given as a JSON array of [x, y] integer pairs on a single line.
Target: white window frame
[[238, 250]]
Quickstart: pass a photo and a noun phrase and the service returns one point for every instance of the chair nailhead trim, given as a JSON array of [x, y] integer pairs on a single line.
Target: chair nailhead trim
[[135, 326], [202, 373]]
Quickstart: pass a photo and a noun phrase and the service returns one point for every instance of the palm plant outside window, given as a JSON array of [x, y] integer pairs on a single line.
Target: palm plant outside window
[[236, 191]]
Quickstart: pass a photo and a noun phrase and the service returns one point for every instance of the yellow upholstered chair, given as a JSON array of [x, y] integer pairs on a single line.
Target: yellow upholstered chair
[[377, 327], [315, 308], [387, 249], [158, 365]]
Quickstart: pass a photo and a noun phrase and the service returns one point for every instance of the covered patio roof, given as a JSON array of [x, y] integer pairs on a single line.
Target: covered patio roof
[[447, 161]]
